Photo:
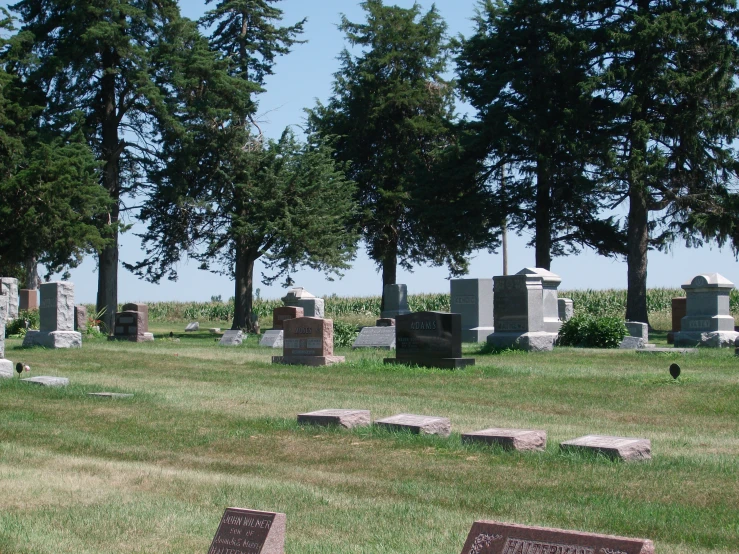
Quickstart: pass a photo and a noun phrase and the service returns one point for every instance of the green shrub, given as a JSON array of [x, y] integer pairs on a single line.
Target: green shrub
[[589, 331], [18, 325], [344, 333]]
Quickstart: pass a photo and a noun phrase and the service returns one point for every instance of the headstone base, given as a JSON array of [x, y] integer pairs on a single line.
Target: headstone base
[[477, 334], [345, 418], [6, 369], [272, 339], [144, 337], [442, 363], [714, 339], [531, 342], [308, 360], [47, 381], [53, 339]]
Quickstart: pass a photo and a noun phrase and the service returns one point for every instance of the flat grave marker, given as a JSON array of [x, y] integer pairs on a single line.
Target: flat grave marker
[[625, 448], [417, 424], [110, 394], [47, 381], [512, 439], [345, 418], [376, 337], [192, 327], [272, 339], [492, 537], [232, 337], [249, 532]]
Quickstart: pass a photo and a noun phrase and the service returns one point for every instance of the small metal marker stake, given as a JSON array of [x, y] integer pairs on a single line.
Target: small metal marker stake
[[675, 371], [19, 369]]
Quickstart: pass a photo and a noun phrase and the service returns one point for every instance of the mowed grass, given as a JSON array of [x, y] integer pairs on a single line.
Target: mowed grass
[[211, 427]]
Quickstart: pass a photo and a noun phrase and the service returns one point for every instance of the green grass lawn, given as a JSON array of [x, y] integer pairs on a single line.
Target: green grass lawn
[[211, 427]]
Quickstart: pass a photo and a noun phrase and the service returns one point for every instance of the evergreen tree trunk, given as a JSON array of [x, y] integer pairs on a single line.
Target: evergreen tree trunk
[[389, 268], [243, 288], [107, 296], [636, 257], [543, 217]]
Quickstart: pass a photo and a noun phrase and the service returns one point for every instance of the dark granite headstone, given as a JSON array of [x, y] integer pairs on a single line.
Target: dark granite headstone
[[430, 339], [143, 309], [249, 532], [129, 326], [492, 537]]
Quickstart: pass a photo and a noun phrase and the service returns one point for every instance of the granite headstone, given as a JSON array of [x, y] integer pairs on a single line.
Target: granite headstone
[[249, 532], [301, 298], [473, 300], [28, 299], [9, 287], [624, 448], [344, 418], [512, 439], [708, 321], [6, 366], [376, 337], [272, 338], [232, 337], [395, 301], [417, 424], [549, 302], [308, 341], [279, 315], [56, 315]]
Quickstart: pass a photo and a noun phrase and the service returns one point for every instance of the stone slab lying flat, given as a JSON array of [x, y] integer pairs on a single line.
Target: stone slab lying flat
[[376, 337], [659, 350], [514, 439], [272, 339], [249, 532], [110, 394], [345, 418], [418, 424], [492, 537], [626, 448], [308, 360], [6, 369], [47, 381]]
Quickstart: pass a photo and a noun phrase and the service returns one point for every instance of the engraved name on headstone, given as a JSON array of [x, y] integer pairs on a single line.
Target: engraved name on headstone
[[492, 537], [249, 532]]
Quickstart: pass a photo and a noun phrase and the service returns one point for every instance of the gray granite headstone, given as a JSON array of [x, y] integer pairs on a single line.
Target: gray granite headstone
[[301, 298], [473, 300], [193, 326], [232, 338], [376, 337], [519, 313], [272, 338], [417, 424], [625, 448], [56, 314], [47, 381], [550, 305], [638, 329], [632, 343], [566, 309], [9, 287], [345, 418], [708, 321], [395, 299], [3, 318]]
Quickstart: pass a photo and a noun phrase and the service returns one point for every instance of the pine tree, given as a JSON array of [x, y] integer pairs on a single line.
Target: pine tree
[[391, 120]]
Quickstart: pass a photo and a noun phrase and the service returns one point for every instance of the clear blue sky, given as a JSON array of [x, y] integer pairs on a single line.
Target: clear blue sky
[[304, 76]]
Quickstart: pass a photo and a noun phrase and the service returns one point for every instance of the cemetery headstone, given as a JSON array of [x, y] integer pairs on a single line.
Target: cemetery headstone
[[56, 315], [708, 321], [345, 418], [143, 309], [417, 424], [28, 299], [232, 338], [429, 339], [566, 309], [191, 327], [376, 337], [9, 287], [272, 339], [638, 329], [550, 305], [512, 439], [6, 366], [47, 381], [301, 298], [249, 532], [395, 299], [679, 311], [131, 325], [279, 315], [308, 341], [214, 330], [80, 318], [519, 313], [624, 448], [385, 322], [492, 537], [473, 300], [632, 343]]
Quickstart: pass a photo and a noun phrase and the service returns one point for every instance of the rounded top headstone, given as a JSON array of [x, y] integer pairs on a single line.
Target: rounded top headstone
[[709, 280]]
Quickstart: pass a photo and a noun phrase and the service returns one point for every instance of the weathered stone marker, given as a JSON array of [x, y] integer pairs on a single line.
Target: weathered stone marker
[[473, 300], [110, 394], [417, 424], [566, 309], [308, 341], [56, 315], [28, 299], [47, 381], [344, 418], [708, 321], [192, 327], [80, 318], [301, 298], [492, 537], [6, 366], [549, 302], [395, 299], [512, 439], [625, 448], [279, 315], [429, 339], [249, 532], [9, 287], [232, 337], [132, 323], [376, 337], [272, 339]]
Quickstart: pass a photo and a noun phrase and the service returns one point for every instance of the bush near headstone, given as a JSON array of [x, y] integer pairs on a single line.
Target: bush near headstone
[[18, 325], [344, 334], [587, 331]]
